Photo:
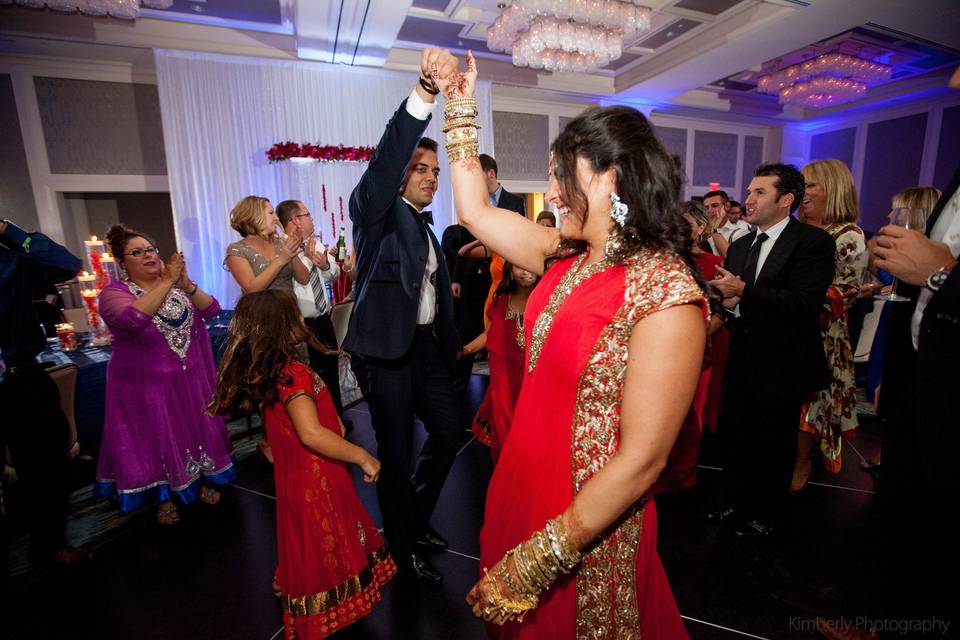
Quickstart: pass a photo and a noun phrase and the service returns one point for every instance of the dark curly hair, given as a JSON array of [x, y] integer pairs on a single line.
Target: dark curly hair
[[265, 336], [117, 238], [648, 179]]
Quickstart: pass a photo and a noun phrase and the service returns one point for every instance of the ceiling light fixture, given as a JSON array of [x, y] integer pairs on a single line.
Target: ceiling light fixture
[[127, 9], [566, 35], [825, 80]]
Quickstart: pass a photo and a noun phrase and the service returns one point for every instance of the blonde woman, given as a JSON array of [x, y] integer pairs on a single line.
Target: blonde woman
[[261, 260], [913, 198], [830, 202]]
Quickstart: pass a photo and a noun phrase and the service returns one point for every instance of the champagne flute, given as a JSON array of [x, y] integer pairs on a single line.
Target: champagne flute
[[908, 218]]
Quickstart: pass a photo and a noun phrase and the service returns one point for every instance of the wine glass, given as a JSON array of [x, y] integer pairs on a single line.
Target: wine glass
[[908, 218]]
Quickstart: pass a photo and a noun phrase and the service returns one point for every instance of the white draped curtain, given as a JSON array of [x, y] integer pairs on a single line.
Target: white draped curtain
[[220, 115]]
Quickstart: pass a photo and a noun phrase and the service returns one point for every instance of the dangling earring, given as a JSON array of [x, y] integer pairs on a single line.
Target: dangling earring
[[123, 272], [618, 210], [613, 244]]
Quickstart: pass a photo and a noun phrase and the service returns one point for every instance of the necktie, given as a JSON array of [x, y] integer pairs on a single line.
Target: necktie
[[319, 296], [753, 256], [427, 217]]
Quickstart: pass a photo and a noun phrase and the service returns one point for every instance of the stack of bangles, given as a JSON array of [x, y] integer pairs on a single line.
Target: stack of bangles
[[460, 126], [537, 563]]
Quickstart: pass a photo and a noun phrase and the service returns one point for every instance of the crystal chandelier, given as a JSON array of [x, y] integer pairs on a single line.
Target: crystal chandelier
[[566, 35], [828, 79], [128, 9]]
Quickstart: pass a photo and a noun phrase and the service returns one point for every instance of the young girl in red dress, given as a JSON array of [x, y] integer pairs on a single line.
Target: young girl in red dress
[[504, 341], [332, 562]]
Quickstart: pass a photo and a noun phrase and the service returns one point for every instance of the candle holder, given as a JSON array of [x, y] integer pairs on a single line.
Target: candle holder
[[95, 251], [90, 292], [67, 336]]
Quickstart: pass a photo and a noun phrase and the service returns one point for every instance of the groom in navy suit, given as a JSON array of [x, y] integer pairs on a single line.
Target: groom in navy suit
[[402, 335]]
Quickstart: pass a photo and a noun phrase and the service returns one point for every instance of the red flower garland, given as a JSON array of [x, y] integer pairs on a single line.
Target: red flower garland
[[322, 153]]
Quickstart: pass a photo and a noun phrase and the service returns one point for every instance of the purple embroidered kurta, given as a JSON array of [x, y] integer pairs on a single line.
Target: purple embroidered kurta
[[158, 441]]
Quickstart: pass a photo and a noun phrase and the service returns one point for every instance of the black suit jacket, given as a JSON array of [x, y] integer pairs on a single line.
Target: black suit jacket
[[390, 241], [776, 348], [511, 202]]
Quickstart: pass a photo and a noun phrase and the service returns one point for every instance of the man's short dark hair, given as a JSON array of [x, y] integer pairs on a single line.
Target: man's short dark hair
[[788, 180], [734, 203], [723, 195], [286, 210], [487, 163], [546, 214], [427, 143]]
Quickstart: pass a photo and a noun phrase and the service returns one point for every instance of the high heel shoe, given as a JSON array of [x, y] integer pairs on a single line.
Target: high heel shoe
[[266, 453]]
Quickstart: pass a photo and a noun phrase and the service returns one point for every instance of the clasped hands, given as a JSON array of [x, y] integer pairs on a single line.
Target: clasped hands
[[441, 67], [729, 286]]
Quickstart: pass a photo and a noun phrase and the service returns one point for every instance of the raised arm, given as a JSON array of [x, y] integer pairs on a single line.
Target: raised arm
[[519, 240], [380, 183]]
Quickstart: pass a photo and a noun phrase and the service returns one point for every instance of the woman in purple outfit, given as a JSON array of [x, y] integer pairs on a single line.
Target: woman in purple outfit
[[158, 441]]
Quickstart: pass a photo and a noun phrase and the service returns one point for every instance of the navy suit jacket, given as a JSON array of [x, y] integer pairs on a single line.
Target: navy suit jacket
[[390, 242], [25, 257], [776, 347]]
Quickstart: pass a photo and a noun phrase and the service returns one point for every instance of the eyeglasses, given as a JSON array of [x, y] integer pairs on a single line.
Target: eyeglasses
[[140, 252], [303, 215]]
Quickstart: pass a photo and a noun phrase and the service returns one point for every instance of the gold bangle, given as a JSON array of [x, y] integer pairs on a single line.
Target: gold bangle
[[469, 151], [456, 123]]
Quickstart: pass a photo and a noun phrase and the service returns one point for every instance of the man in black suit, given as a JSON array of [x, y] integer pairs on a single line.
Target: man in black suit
[[499, 197], [918, 409], [471, 282], [774, 284], [401, 331]]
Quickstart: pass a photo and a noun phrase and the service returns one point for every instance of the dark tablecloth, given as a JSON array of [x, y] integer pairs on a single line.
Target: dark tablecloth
[[92, 380]]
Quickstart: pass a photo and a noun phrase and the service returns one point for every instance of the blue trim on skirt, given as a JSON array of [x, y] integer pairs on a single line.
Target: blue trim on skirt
[[134, 500]]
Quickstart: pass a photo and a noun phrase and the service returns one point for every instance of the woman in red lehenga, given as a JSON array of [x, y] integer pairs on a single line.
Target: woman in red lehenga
[[615, 338], [504, 340], [332, 562]]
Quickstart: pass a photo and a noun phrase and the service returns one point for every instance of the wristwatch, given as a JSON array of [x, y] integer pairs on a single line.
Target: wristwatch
[[936, 279]]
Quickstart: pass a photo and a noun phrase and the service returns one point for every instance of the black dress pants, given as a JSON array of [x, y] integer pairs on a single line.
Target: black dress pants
[[418, 384], [36, 431], [327, 366], [763, 440]]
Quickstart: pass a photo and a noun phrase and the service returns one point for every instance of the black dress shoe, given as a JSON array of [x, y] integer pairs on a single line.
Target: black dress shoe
[[431, 540], [753, 529], [420, 570], [720, 515]]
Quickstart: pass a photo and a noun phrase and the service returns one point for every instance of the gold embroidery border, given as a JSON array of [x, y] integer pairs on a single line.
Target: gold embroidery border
[[331, 598], [606, 583], [573, 278]]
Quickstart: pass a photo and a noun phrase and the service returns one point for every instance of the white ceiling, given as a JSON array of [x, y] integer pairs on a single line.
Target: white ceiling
[[692, 43]]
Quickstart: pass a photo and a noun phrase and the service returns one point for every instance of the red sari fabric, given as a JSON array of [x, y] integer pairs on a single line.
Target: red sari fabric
[[565, 428], [331, 559], [707, 264], [505, 344]]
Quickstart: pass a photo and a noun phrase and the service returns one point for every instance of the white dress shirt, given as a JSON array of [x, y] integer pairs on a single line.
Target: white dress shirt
[[428, 293], [427, 310], [304, 292], [418, 108], [946, 230], [734, 230]]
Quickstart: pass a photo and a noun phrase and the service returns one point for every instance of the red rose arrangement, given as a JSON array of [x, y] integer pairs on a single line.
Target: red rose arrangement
[[321, 153]]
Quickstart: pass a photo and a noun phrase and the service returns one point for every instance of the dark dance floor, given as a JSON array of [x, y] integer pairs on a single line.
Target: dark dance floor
[[209, 576]]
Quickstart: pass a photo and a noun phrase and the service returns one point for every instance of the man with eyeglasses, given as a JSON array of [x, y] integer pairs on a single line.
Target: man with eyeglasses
[[312, 298]]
